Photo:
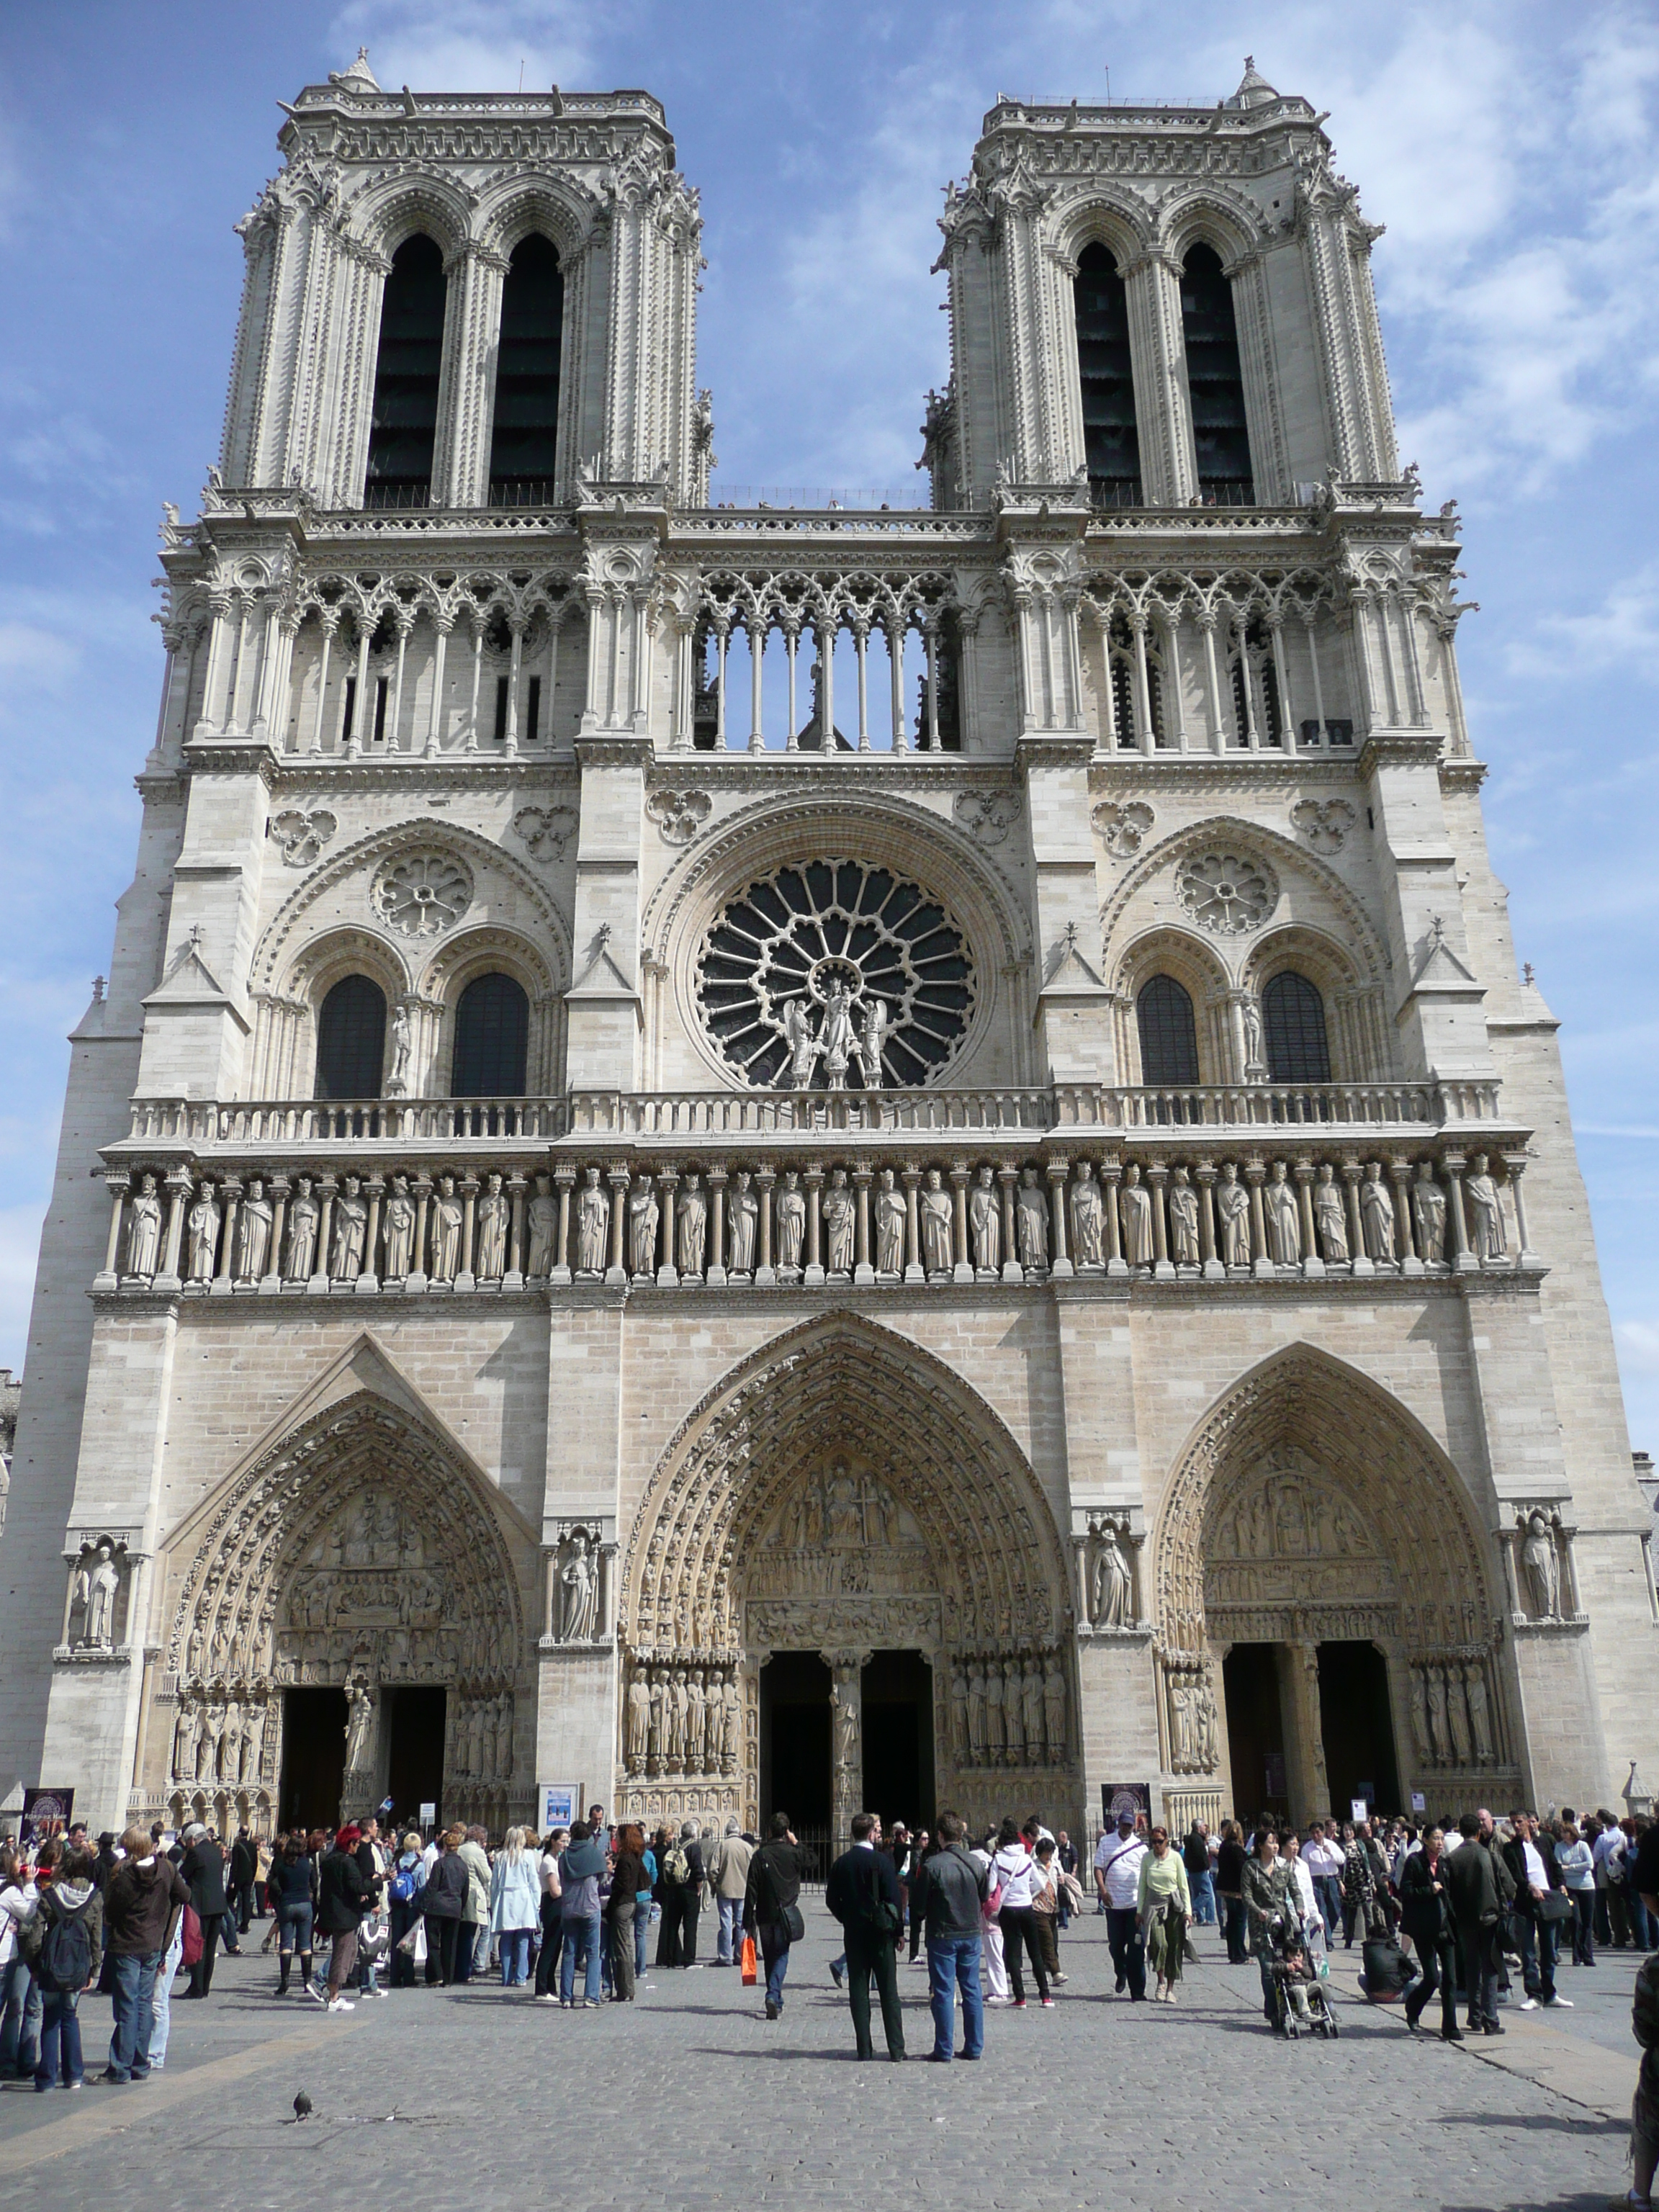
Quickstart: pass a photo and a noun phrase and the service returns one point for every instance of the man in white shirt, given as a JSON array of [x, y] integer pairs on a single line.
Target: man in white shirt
[[1324, 1861], [1117, 1878]]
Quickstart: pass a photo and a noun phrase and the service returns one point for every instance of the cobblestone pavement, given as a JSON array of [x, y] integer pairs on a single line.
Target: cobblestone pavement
[[690, 2098]]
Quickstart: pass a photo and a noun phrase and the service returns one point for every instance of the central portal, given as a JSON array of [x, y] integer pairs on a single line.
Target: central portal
[[897, 1690], [313, 1758], [795, 1741]]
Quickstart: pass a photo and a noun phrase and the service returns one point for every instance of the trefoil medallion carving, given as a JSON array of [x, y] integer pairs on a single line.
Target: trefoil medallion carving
[[302, 836], [423, 893], [1227, 892]]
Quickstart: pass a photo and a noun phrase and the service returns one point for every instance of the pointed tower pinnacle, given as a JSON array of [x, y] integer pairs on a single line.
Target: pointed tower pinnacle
[[1254, 89], [359, 77]]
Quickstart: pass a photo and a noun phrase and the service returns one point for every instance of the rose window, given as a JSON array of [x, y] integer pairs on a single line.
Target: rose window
[[1227, 892], [421, 893], [835, 976]]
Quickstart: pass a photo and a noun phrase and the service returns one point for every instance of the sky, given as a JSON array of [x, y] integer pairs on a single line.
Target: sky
[[1512, 151]]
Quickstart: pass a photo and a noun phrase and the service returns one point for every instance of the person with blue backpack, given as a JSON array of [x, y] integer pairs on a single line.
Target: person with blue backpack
[[63, 1941], [402, 1887]]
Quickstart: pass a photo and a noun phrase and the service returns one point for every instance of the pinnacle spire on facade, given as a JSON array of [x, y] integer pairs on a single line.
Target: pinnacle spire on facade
[[1254, 89], [359, 77]]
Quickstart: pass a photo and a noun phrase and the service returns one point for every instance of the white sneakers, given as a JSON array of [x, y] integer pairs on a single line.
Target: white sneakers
[[1557, 2004], [1528, 2004], [341, 2004]]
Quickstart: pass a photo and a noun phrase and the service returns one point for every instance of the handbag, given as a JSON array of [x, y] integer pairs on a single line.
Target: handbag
[[192, 1954], [794, 1924], [1554, 1905], [746, 1957]]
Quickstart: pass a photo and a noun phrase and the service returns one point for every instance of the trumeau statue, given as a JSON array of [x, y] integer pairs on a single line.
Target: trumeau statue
[[743, 1212], [592, 1224], [1485, 1212], [1282, 1220], [1088, 1218], [1376, 1214], [360, 1722], [448, 1214], [890, 1217], [1031, 1219], [643, 1216], [1183, 1221], [302, 1220], [350, 1228], [1135, 1207], [489, 1263], [1329, 1216], [1232, 1206], [1429, 1214], [985, 1223]]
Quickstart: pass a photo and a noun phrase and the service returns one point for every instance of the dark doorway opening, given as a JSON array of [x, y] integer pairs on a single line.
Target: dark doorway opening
[[313, 1758], [415, 1770], [1256, 1730], [897, 1692], [794, 1745], [1356, 1725]]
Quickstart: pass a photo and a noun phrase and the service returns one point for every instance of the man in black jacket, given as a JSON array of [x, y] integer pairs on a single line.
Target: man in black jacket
[[344, 1895], [202, 1866], [239, 1891], [863, 1893], [1529, 1856], [1474, 1896], [771, 1910], [951, 1895]]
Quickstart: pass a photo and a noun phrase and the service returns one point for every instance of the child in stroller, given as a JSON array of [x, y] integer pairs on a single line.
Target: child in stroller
[[1301, 2004]]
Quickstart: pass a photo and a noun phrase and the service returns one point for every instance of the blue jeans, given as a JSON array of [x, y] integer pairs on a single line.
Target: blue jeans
[[133, 2002], [1202, 1888], [953, 1965], [1642, 1929], [60, 2039], [774, 1949], [583, 1937], [20, 2036], [1328, 1891], [641, 1931], [1540, 1944], [163, 2000], [515, 1956], [731, 1912]]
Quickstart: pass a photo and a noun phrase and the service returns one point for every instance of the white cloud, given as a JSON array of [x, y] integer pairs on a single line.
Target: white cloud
[[34, 657], [468, 45], [1638, 1347], [1622, 632]]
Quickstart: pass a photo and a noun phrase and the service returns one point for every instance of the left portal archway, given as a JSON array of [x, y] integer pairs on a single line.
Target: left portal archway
[[362, 1555]]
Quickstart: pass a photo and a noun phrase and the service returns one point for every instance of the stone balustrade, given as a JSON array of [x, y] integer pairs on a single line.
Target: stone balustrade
[[1289, 1202]]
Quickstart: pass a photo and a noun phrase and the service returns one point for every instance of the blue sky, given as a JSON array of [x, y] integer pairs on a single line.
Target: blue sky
[[1512, 151]]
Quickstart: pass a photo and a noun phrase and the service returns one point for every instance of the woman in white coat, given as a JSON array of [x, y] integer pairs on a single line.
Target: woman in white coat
[[515, 1907]]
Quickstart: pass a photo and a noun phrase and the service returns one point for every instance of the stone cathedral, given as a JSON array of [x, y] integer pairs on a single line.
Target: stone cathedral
[[754, 1155]]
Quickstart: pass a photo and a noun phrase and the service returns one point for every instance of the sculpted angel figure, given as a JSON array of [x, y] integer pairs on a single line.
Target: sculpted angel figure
[[803, 1042], [870, 1040]]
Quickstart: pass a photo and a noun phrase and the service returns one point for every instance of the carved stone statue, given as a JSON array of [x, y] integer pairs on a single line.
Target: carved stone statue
[[1014, 1712], [643, 1216], [1420, 1701], [345, 1262], [144, 1231], [1088, 1218], [802, 1040], [985, 1223], [360, 1722], [302, 1218], [1111, 1596], [1439, 1737], [403, 1045], [1232, 1205], [696, 1722], [592, 1224], [639, 1722], [1030, 1706], [994, 1738], [870, 1040], [977, 1713], [840, 1224], [202, 1223], [743, 1212], [1474, 1684], [448, 1214], [1330, 1216], [791, 1221], [1543, 1567], [185, 1734], [692, 1225], [495, 1212], [1457, 1712], [544, 1219], [1429, 1215], [97, 1585], [399, 1231], [837, 1038], [1053, 1706], [1135, 1209], [1485, 1213], [959, 1736], [935, 1211], [1377, 1213], [1204, 1728], [253, 1227], [1281, 1219], [579, 1591], [1183, 1221], [1031, 1220], [1255, 1059], [844, 1720], [891, 1214]]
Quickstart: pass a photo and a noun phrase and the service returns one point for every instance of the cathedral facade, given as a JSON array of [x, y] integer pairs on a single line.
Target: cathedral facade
[[742, 1155]]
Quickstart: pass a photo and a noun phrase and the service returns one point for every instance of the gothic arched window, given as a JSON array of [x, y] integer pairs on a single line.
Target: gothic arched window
[[1169, 1038], [525, 431], [1111, 445], [1215, 380], [492, 1040], [351, 1040], [1294, 1020], [404, 425]]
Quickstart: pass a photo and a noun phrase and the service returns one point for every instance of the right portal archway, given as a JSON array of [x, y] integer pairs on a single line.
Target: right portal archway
[[1314, 1531]]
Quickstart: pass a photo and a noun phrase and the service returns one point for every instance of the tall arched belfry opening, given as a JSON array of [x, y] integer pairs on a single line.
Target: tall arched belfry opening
[[766, 1156]]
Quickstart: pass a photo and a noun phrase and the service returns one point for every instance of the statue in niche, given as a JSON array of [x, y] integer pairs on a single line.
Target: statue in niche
[[1111, 1600], [1282, 1221], [791, 1222], [994, 1732], [1013, 1719], [1054, 1706], [202, 1223], [1376, 1214], [1429, 1216], [1204, 1728], [692, 1212], [1290, 1520], [494, 1214], [302, 1220], [1458, 1711], [96, 1587], [592, 1224], [935, 1211], [985, 1223], [399, 1231], [579, 1591], [351, 1229], [1135, 1206], [977, 1712], [1232, 1205], [207, 1748], [1183, 1221], [841, 1500], [1437, 1735], [1485, 1212], [1420, 1700], [959, 1736], [655, 1726], [802, 1041], [1088, 1220], [1181, 1725], [643, 1215], [696, 1723], [185, 1734], [732, 1730], [743, 1213], [253, 1228], [403, 1045], [679, 1713], [1030, 1706], [870, 1040], [1474, 1684], [1543, 1567], [891, 1215], [1031, 1219], [837, 1037], [144, 1231], [844, 1722], [840, 1221], [1255, 1061], [544, 1228], [1330, 1216]]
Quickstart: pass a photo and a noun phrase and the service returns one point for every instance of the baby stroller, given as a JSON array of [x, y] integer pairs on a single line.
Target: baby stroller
[[1301, 2001]]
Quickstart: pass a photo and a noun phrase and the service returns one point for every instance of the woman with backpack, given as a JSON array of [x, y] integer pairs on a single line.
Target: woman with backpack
[[62, 1939], [291, 1886], [402, 1887]]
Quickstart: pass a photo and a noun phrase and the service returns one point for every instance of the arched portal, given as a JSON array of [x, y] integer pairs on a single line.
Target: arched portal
[[845, 1495], [1309, 1521], [347, 1613]]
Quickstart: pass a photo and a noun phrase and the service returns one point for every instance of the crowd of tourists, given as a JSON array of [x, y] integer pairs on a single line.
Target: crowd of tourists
[[1451, 1909]]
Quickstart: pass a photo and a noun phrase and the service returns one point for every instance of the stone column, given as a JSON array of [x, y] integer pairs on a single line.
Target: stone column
[[230, 1190], [1312, 1265], [416, 1278], [1401, 1172], [716, 1264], [1463, 1259], [272, 1277], [565, 1178], [1158, 1177], [963, 1272], [813, 1272], [325, 1188], [1111, 1175], [116, 1184], [764, 1271], [1007, 1177], [668, 1183], [368, 1275], [617, 1178], [913, 1271], [1059, 1261], [1213, 1270], [1517, 1164], [1351, 1174], [513, 1279], [862, 1270], [464, 1277], [1255, 1174]]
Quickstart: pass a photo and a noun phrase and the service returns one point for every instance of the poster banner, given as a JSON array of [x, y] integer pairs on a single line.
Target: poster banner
[[559, 1802], [45, 1813], [1134, 1798]]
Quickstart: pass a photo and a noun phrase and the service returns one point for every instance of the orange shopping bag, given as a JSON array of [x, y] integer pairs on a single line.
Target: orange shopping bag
[[747, 1956]]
